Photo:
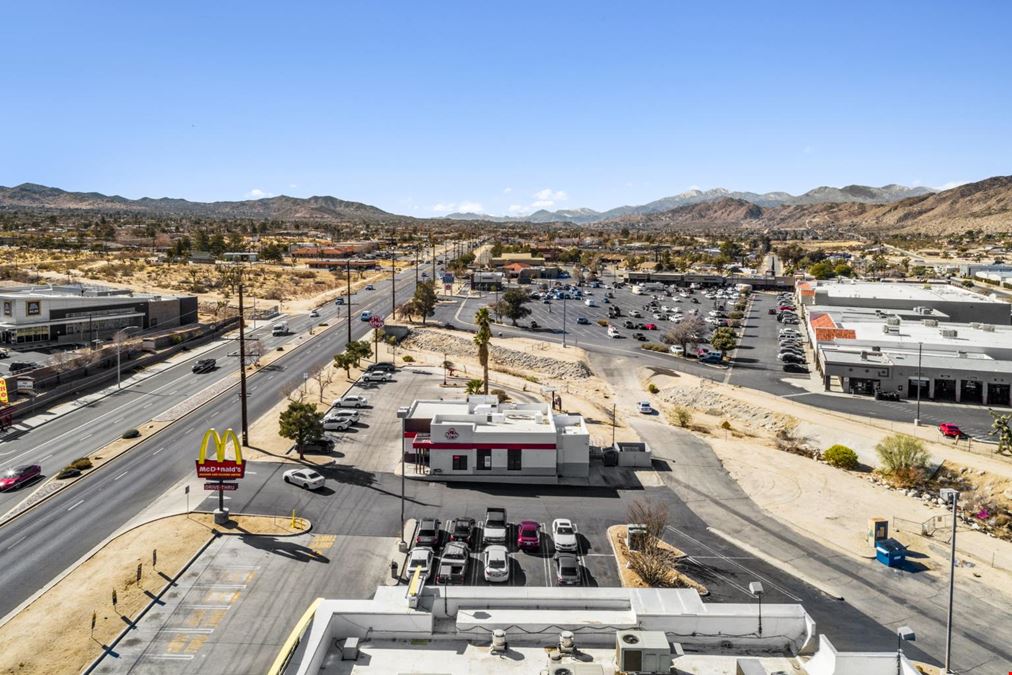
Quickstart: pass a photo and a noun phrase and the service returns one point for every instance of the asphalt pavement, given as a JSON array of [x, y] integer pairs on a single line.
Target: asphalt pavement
[[40, 544]]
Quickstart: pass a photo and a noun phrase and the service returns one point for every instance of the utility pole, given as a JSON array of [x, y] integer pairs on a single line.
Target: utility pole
[[393, 283], [242, 371], [416, 265], [952, 497], [563, 319], [433, 244], [348, 298], [920, 383]]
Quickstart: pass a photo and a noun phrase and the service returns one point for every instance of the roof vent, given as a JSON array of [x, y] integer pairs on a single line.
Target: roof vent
[[987, 328], [948, 332], [893, 321], [930, 322]]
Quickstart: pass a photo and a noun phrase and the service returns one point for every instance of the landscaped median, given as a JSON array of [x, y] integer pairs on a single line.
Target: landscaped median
[[662, 563], [68, 626]]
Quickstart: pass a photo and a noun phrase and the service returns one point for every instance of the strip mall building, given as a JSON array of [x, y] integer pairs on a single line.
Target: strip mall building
[[479, 438]]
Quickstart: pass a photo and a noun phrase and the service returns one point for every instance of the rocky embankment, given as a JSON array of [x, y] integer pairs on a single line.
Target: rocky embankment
[[511, 360], [709, 400]]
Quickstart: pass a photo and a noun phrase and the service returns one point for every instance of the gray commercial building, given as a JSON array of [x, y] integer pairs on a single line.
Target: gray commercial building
[[954, 302], [49, 315]]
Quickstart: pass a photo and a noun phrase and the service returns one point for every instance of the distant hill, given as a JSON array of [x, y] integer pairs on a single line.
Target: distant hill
[[821, 195], [40, 197], [984, 205]]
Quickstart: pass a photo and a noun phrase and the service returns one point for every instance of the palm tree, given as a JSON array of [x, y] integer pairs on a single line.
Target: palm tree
[[482, 338], [474, 386]]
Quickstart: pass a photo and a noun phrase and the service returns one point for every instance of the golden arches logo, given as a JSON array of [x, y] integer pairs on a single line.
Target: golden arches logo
[[220, 443], [220, 467]]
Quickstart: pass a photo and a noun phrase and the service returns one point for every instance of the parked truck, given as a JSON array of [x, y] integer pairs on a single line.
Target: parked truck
[[280, 328], [495, 525]]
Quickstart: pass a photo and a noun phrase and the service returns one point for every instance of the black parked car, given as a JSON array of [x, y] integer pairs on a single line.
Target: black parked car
[[640, 336], [20, 367], [383, 367], [886, 395], [463, 530], [795, 368]]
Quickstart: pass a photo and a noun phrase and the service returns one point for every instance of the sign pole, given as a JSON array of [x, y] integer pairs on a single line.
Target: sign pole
[[242, 369], [221, 496], [348, 296]]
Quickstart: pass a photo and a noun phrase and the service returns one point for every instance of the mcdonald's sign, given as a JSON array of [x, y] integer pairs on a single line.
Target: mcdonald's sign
[[220, 468]]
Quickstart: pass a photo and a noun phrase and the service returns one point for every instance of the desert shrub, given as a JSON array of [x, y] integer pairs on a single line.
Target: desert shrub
[[654, 347], [841, 457], [602, 322], [903, 458], [725, 425], [81, 464], [652, 388], [408, 358], [736, 314], [684, 416]]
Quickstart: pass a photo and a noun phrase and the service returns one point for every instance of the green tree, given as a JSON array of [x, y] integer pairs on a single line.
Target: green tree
[[511, 305], [345, 361], [822, 270], [424, 300], [724, 339], [474, 386], [903, 458], [482, 338], [302, 423], [359, 350]]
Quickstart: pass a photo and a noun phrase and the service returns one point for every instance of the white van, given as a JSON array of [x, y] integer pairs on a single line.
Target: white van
[[613, 332], [590, 302], [280, 328]]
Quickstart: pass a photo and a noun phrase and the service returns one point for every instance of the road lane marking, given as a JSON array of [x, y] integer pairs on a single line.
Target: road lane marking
[[88, 435], [76, 504], [121, 475], [158, 450], [17, 541]]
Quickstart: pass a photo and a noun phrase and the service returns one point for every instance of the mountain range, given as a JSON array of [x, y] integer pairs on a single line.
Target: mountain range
[[860, 194], [33, 196], [984, 205]]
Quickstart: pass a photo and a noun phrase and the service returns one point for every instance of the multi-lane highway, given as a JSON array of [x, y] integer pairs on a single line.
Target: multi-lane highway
[[40, 544]]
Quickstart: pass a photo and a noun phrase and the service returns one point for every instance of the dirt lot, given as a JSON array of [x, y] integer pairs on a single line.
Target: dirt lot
[[66, 610]]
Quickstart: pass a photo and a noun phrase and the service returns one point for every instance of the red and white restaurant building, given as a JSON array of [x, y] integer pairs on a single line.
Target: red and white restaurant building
[[478, 438]]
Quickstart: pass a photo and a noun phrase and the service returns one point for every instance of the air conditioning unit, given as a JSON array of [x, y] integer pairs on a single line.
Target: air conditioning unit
[[574, 669], [949, 332], [893, 321], [987, 327], [930, 322], [642, 652]]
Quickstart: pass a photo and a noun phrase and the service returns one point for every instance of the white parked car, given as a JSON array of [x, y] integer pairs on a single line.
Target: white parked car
[[344, 412], [564, 535], [377, 376], [420, 557], [306, 478], [350, 401], [644, 407], [677, 350], [496, 561], [337, 423]]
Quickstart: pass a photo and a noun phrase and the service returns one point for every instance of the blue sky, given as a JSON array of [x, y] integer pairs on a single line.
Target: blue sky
[[421, 108]]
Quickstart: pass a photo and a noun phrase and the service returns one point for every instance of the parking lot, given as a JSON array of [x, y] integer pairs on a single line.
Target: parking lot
[[755, 364]]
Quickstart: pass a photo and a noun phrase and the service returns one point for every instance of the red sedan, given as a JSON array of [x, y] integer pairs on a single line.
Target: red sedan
[[18, 476], [650, 326], [950, 430], [529, 536]]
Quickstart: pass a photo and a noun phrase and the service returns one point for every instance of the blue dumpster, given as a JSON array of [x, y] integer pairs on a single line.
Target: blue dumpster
[[890, 552]]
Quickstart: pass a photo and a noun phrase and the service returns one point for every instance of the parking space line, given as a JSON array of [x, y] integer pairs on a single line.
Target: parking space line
[[544, 558]]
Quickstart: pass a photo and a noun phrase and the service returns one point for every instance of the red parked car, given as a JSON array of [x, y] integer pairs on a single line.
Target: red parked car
[[529, 536], [950, 430], [650, 326], [18, 476]]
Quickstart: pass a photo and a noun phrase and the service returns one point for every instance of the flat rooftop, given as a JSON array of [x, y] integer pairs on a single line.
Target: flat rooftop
[[929, 358], [401, 657], [910, 333], [900, 291], [505, 421]]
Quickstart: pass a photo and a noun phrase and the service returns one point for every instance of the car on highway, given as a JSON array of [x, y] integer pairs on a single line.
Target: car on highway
[[496, 525], [339, 301], [567, 569], [204, 365], [13, 478], [462, 529], [583, 321], [377, 376], [370, 287], [350, 401], [429, 533], [950, 430], [305, 478], [677, 350], [419, 558], [528, 535], [795, 368], [564, 535], [496, 562], [365, 315], [453, 563], [644, 408]]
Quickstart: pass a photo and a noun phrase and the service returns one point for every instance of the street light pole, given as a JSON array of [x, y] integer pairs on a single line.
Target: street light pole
[[920, 383], [242, 371], [564, 320], [348, 298], [952, 496], [393, 283]]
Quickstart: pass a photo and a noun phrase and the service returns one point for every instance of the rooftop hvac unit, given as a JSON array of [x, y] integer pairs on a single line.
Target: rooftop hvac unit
[[949, 332], [987, 327], [930, 322], [887, 328], [893, 321], [574, 669], [642, 652]]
